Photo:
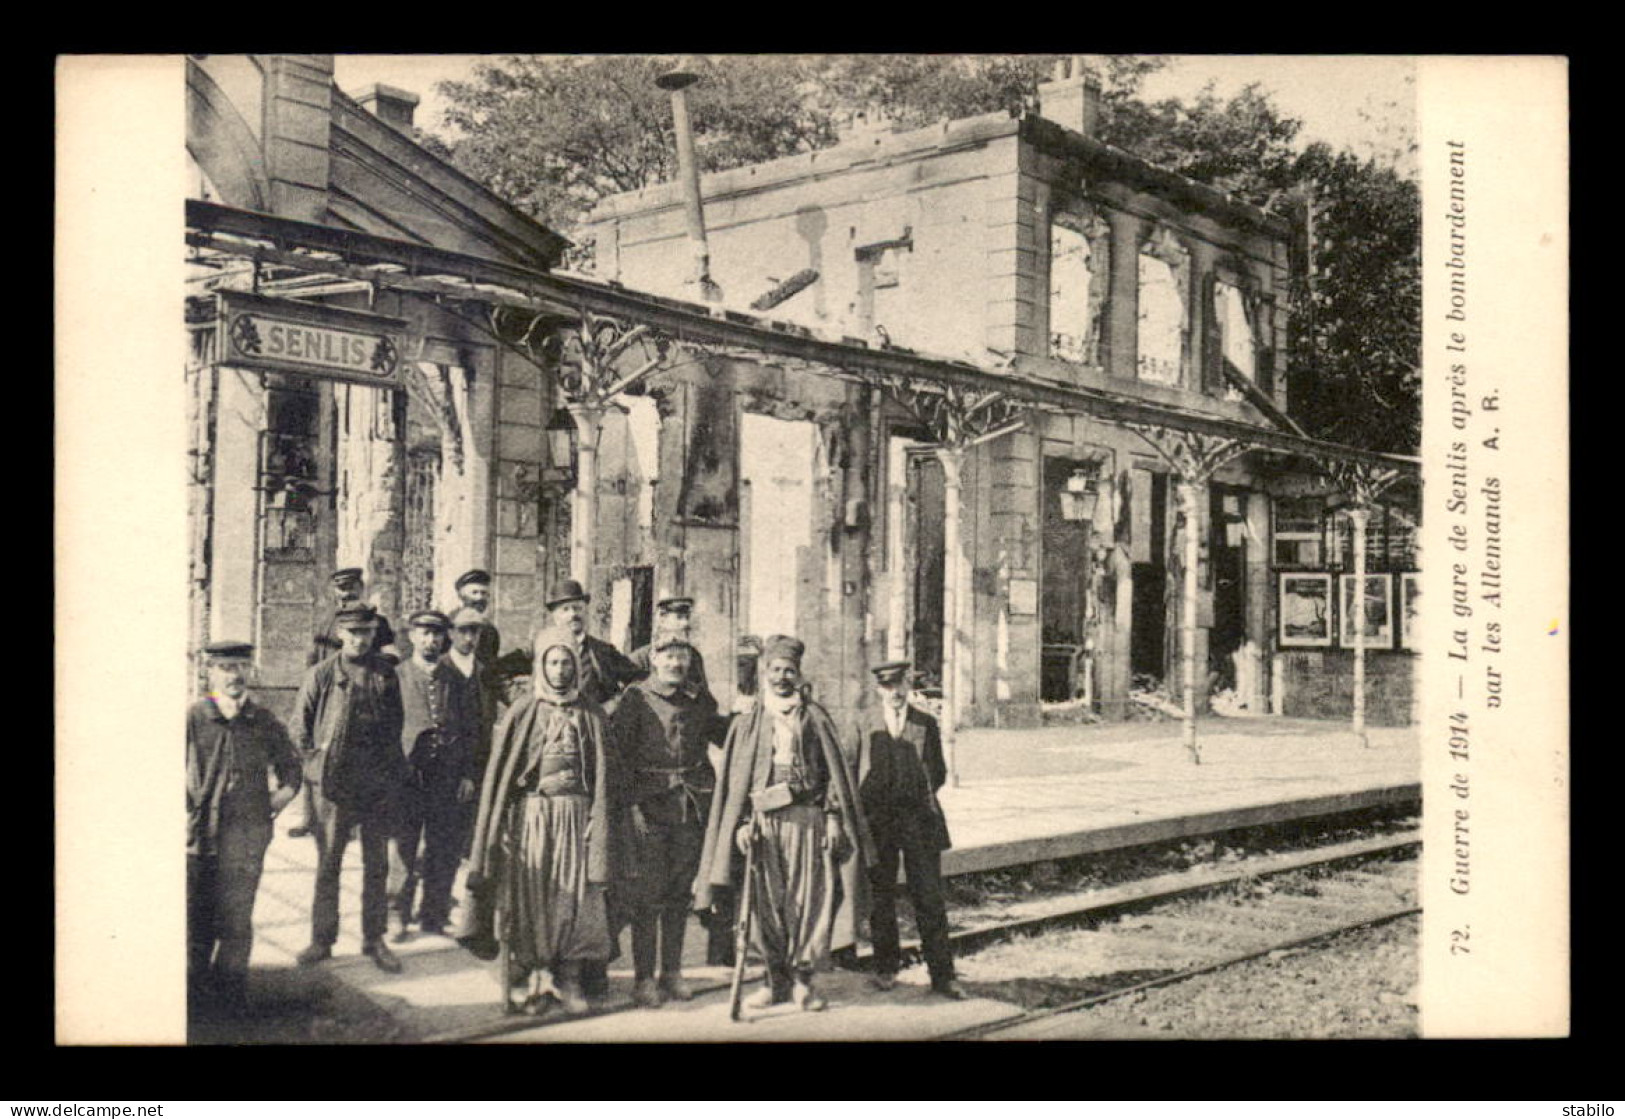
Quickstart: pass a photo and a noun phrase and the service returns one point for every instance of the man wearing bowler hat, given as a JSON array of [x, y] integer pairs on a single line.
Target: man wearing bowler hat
[[347, 725], [674, 616], [349, 589], [899, 768], [604, 668], [441, 719], [235, 749]]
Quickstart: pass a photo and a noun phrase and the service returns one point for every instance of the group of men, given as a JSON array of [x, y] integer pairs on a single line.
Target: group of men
[[389, 744]]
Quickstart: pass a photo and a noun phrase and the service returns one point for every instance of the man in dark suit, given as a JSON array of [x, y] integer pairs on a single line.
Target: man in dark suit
[[440, 721], [899, 769], [605, 670]]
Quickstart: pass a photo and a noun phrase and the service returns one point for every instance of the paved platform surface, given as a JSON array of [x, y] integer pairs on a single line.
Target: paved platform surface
[[1023, 795]]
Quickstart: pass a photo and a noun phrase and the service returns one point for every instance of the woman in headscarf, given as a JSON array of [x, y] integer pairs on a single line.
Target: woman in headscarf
[[542, 839]]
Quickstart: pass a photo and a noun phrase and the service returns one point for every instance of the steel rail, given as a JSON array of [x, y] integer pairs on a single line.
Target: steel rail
[[987, 1029], [1139, 896]]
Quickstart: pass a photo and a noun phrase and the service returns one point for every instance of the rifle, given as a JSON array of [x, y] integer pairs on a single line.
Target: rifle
[[742, 922]]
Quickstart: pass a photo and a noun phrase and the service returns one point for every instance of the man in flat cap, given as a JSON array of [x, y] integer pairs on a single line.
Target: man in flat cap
[[347, 724], [474, 593], [349, 589], [235, 751], [661, 729], [899, 768], [441, 720], [605, 670], [674, 615], [786, 797]]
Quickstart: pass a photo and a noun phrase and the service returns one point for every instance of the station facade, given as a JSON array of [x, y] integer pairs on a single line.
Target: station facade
[[1063, 316]]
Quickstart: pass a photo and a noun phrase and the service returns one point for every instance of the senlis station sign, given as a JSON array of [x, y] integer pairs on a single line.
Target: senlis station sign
[[286, 336]]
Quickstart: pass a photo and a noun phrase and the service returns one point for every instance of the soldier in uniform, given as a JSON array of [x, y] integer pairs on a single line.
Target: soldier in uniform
[[661, 730], [441, 720], [349, 589], [784, 787], [675, 615], [235, 749], [347, 725], [899, 769]]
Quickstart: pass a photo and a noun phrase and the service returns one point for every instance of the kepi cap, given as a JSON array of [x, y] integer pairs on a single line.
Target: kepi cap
[[675, 604], [345, 574], [667, 638], [475, 576], [429, 619], [356, 616], [568, 591], [228, 651]]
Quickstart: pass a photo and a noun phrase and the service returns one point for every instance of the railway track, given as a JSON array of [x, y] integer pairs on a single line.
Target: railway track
[[1336, 909]]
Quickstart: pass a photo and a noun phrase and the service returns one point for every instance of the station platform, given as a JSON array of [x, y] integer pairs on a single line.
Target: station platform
[[1022, 796]]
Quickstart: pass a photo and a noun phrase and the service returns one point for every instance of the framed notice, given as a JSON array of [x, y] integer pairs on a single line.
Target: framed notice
[[1306, 609], [1375, 612], [1410, 619]]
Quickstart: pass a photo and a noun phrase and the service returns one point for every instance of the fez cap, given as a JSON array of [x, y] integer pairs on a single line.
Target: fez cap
[[475, 576], [568, 591], [429, 619], [783, 646], [892, 672], [345, 574], [358, 614], [676, 604], [467, 616], [228, 651]]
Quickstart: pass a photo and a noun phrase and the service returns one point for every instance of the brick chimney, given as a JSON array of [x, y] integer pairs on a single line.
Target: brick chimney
[[1072, 97], [390, 105]]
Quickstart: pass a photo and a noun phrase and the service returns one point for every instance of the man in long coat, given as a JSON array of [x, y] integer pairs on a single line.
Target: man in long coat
[[347, 725], [441, 719], [234, 750], [899, 768], [661, 730], [785, 790]]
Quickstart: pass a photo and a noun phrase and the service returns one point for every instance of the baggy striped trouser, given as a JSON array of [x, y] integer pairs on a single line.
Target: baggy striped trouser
[[794, 890], [549, 914]]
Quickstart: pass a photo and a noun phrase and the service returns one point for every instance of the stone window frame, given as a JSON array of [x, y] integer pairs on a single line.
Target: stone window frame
[[1233, 275], [1161, 243], [1084, 218]]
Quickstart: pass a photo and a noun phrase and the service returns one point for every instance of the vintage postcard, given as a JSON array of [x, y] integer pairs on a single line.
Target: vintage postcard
[[883, 547]]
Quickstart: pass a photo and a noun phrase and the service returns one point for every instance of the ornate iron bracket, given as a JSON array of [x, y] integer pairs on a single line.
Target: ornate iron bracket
[[1193, 456], [956, 417], [1361, 482]]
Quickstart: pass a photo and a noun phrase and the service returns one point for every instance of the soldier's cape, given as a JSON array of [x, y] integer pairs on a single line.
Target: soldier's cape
[[746, 758]]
